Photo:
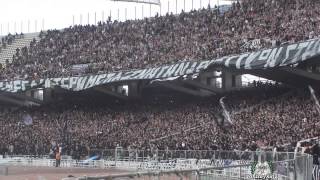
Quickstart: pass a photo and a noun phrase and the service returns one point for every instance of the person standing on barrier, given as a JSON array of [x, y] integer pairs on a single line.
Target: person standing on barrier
[[58, 156]]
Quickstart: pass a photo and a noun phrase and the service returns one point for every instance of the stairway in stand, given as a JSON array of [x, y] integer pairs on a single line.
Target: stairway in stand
[[8, 52]]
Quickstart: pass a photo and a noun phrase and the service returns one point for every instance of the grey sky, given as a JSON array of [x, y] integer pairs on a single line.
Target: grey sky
[[58, 14]]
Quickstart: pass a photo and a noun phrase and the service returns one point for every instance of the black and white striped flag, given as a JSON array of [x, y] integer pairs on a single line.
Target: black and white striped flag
[[225, 113], [316, 173], [314, 97]]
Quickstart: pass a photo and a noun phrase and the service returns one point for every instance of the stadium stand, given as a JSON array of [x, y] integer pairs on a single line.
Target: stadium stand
[[261, 121], [9, 47], [264, 116], [198, 35]]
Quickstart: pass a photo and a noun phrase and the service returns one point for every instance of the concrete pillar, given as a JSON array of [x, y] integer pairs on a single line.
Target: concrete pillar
[[226, 81], [28, 93], [134, 90], [231, 81], [47, 95], [208, 79]]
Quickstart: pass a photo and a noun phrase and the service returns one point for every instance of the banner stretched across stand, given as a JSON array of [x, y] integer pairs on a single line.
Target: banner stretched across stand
[[263, 59]]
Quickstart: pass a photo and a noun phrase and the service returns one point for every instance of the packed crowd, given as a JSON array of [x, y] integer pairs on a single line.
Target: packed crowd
[[264, 118], [197, 35]]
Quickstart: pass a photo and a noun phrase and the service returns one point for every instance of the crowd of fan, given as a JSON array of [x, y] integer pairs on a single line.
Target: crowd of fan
[[197, 35], [264, 118]]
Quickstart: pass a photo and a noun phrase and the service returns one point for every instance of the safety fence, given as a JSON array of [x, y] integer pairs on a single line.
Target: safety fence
[[204, 173], [285, 170], [185, 164], [121, 154]]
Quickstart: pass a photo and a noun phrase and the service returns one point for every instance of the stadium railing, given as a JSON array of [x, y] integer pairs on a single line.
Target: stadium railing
[[176, 164], [294, 169], [138, 155]]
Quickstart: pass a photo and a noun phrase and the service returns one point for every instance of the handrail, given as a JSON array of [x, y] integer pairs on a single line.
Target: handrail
[[156, 168], [159, 172]]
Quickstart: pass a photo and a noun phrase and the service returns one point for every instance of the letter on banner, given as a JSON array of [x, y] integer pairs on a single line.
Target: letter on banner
[[134, 75], [227, 62], [241, 57], [56, 81], [290, 48], [308, 52], [16, 85], [34, 83], [100, 78], [151, 74], [73, 82], [264, 55], [91, 81], [251, 57], [143, 74], [127, 75], [116, 77], [23, 85], [181, 69], [274, 56], [47, 83], [192, 70], [170, 72], [262, 59], [108, 78], [311, 50], [64, 83], [297, 56], [202, 65], [162, 70], [9, 86], [81, 82]]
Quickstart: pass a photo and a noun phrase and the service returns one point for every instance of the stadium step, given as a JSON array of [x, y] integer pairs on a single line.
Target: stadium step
[[8, 52]]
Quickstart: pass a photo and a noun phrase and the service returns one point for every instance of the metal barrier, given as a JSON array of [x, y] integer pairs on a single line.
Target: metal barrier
[[69, 163], [169, 174], [188, 164], [235, 172], [141, 156], [210, 165]]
